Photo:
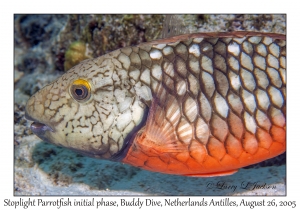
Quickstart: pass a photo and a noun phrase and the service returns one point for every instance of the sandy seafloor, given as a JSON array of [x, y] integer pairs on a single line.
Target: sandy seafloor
[[40, 43]]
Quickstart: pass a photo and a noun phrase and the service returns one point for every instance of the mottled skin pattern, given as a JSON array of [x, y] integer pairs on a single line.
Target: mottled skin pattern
[[98, 126], [217, 103]]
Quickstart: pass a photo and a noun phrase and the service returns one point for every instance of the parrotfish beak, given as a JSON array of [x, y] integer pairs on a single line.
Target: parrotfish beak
[[38, 128]]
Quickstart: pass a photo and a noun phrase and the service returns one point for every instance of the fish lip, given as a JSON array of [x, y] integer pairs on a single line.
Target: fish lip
[[40, 128], [37, 127]]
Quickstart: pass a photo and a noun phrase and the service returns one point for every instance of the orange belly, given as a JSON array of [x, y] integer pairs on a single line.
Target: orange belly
[[214, 159]]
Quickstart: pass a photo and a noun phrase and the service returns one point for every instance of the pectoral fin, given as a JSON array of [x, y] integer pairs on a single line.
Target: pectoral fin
[[159, 133]]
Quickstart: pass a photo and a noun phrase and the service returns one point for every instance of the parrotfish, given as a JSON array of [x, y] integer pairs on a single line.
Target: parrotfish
[[200, 104]]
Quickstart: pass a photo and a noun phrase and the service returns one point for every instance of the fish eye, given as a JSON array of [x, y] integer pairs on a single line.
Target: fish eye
[[80, 90]]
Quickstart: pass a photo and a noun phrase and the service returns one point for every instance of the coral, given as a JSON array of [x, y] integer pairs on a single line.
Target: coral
[[40, 28], [76, 53], [17, 75]]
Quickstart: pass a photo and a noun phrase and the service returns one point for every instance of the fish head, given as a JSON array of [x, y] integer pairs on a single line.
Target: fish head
[[91, 109]]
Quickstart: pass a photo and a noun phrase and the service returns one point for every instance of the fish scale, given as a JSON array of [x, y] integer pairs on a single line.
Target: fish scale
[[216, 103], [228, 133]]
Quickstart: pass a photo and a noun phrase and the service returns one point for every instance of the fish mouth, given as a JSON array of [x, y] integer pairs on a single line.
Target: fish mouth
[[40, 128], [37, 127]]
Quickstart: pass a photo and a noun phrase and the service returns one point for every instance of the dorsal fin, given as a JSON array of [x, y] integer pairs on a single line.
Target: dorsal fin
[[233, 34]]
